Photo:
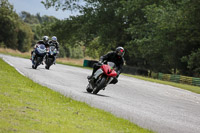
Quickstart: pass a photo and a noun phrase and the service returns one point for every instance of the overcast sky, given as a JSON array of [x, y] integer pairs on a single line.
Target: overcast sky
[[35, 6]]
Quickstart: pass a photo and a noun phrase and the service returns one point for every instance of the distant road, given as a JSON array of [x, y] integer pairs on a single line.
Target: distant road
[[158, 107]]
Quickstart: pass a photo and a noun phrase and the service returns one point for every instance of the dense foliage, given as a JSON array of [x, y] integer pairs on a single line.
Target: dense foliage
[[15, 33], [160, 36]]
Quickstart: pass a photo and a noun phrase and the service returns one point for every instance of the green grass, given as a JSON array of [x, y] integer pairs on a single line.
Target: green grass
[[194, 89], [14, 53], [29, 107]]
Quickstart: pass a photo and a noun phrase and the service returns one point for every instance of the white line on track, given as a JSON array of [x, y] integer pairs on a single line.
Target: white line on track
[[13, 66]]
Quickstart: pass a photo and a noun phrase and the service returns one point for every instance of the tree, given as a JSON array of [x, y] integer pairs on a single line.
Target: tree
[[193, 63], [8, 24], [28, 18], [14, 33], [25, 37], [160, 36]]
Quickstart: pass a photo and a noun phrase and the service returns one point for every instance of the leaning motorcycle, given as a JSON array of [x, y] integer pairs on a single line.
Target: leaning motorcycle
[[50, 56], [102, 77], [38, 55]]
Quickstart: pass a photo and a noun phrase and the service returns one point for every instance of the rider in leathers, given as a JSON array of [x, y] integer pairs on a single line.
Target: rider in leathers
[[45, 41], [55, 43], [114, 56]]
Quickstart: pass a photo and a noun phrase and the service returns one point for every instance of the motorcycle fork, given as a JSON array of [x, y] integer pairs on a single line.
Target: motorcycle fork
[[109, 80], [33, 56], [45, 57], [34, 60], [93, 83], [100, 76]]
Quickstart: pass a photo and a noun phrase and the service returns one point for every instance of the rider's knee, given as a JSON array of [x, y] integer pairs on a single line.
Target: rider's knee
[[114, 81]]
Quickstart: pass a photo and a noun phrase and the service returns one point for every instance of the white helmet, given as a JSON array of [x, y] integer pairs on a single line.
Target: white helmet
[[54, 38], [45, 38]]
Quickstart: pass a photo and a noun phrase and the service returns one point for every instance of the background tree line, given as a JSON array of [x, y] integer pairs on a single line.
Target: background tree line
[[14, 33], [160, 36], [20, 31]]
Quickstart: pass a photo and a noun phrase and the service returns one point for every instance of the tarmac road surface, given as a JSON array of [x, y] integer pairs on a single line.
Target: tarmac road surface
[[161, 108]]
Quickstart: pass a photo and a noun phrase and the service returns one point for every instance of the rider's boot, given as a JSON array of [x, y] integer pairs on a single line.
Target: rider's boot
[[44, 59], [31, 55], [91, 81], [90, 77], [54, 62]]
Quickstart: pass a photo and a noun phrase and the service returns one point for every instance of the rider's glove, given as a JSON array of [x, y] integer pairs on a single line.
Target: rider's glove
[[36, 45], [100, 61]]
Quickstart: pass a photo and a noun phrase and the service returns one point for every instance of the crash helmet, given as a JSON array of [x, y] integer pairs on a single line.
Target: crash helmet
[[54, 38], [120, 51], [45, 39]]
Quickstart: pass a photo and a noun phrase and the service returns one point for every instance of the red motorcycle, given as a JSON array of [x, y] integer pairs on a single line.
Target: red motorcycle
[[102, 77]]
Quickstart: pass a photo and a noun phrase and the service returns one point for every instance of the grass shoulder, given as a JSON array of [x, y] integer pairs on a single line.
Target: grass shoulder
[[26, 106], [195, 89]]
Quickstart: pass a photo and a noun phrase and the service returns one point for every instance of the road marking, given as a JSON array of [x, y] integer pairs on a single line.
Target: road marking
[[13, 66]]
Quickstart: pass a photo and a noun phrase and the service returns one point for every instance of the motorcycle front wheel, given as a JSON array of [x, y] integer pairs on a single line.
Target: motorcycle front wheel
[[100, 85], [88, 88], [35, 64], [48, 62]]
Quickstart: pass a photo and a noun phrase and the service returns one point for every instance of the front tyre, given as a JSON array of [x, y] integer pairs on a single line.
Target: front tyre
[[88, 88], [48, 62], [100, 85], [47, 67], [34, 66]]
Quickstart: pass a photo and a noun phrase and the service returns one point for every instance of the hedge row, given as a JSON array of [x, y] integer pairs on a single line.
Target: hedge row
[[177, 78]]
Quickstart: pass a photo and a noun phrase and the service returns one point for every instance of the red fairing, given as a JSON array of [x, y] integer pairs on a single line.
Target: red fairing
[[108, 71]]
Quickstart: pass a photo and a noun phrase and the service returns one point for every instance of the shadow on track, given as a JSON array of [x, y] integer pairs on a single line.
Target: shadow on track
[[96, 94]]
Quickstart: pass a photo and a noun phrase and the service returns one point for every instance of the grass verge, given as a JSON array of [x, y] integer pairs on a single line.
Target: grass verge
[[15, 53], [29, 107], [195, 89]]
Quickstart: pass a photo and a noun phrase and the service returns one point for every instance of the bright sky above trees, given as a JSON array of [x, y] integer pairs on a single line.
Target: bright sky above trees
[[35, 6]]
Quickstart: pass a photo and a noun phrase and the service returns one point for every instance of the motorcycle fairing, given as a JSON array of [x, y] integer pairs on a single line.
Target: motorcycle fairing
[[97, 73], [52, 51], [108, 71], [40, 50]]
